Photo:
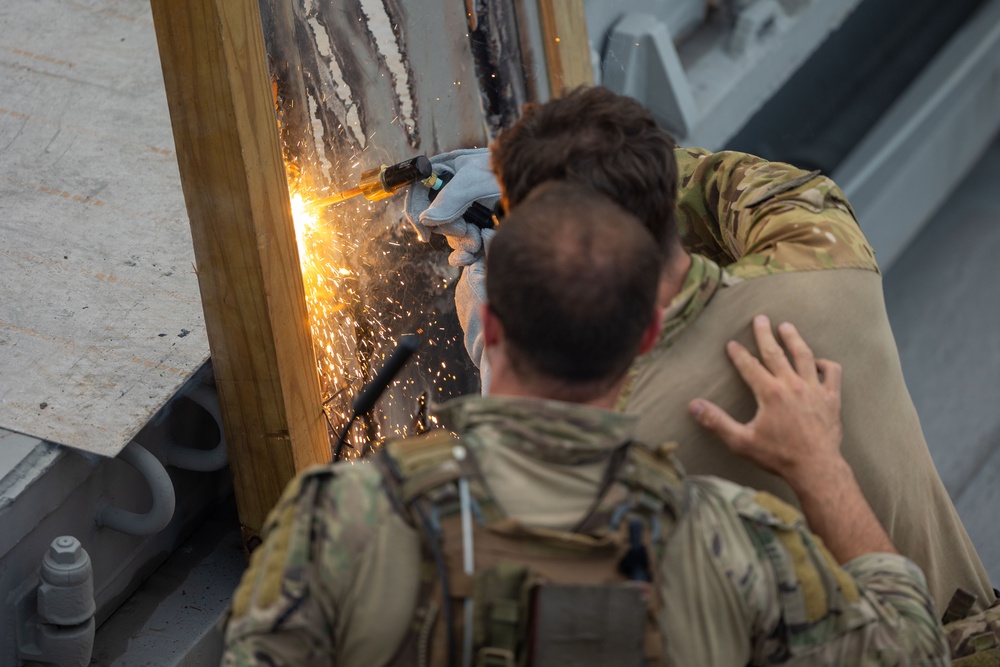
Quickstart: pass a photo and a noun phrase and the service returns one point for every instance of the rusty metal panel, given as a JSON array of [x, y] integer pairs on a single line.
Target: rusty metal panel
[[363, 83]]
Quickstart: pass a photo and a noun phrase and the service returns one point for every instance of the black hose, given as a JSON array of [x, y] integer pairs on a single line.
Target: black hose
[[370, 393]]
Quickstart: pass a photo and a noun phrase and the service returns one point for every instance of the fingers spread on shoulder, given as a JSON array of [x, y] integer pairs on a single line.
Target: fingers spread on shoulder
[[771, 354], [750, 369], [801, 353], [832, 374]]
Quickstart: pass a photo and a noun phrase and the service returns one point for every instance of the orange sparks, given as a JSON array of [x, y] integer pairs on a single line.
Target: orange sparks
[[328, 295]]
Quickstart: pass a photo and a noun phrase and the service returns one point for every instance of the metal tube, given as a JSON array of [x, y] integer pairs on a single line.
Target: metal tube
[[468, 565], [161, 490], [334, 199], [201, 460]]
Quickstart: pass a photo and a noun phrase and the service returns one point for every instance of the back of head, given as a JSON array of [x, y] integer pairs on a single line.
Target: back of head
[[573, 279], [597, 138]]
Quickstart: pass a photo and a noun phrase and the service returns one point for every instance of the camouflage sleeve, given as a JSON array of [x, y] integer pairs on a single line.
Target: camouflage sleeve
[[756, 217], [284, 611], [808, 610], [897, 591], [875, 610]]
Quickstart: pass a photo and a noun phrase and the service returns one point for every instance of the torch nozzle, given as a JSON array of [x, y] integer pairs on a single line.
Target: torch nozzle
[[335, 198], [381, 182]]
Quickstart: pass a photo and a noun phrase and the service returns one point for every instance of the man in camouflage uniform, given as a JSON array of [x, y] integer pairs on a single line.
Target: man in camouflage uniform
[[740, 236], [336, 579]]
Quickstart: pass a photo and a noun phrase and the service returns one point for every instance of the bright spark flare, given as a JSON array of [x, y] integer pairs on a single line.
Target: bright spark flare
[[350, 317]]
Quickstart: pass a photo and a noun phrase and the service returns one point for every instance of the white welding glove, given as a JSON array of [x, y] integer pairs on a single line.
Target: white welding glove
[[470, 292], [473, 181]]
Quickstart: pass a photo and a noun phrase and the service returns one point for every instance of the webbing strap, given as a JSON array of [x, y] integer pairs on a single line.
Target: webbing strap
[[495, 657], [503, 621], [651, 477], [501, 614], [586, 524]]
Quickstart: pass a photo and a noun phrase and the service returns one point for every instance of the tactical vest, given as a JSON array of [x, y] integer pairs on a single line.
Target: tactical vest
[[523, 596], [973, 640]]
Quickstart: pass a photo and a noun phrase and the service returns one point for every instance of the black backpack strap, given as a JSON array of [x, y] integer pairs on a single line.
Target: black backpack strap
[[591, 521], [655, 485]]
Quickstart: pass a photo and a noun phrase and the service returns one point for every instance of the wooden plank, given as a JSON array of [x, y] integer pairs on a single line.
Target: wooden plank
[[226, 136], [567, 49]]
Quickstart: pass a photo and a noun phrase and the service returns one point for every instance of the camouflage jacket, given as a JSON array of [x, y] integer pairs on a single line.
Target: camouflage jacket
[[336, 578], [757, 218]]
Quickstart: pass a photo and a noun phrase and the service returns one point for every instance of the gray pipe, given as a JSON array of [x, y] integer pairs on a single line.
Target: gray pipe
[[161, 489], [201, 460]]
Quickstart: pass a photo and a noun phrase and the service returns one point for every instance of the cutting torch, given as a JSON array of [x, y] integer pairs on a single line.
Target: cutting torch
[[384, 181], [381, 182]]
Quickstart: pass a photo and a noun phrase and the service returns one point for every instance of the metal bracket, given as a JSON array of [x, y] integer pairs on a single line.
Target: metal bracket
[[161, 490], [640, 61], [201, 460], [755, 23]]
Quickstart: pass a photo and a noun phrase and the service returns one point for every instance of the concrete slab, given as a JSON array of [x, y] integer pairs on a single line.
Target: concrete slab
[[100, 320]]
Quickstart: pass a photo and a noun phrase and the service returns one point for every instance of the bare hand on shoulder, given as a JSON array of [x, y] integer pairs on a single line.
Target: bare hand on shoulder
[[797, 430]]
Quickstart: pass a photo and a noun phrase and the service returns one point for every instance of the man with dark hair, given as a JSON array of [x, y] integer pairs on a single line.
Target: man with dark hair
[[750, 237], [554, 319], [595, 139], [551, 538]]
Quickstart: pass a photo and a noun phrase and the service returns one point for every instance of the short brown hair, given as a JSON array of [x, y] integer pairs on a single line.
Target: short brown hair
[[597, 138], [573, 279]]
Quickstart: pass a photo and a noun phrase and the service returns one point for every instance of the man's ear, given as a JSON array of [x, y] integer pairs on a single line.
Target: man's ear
[[492, 329], [652, 332]]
